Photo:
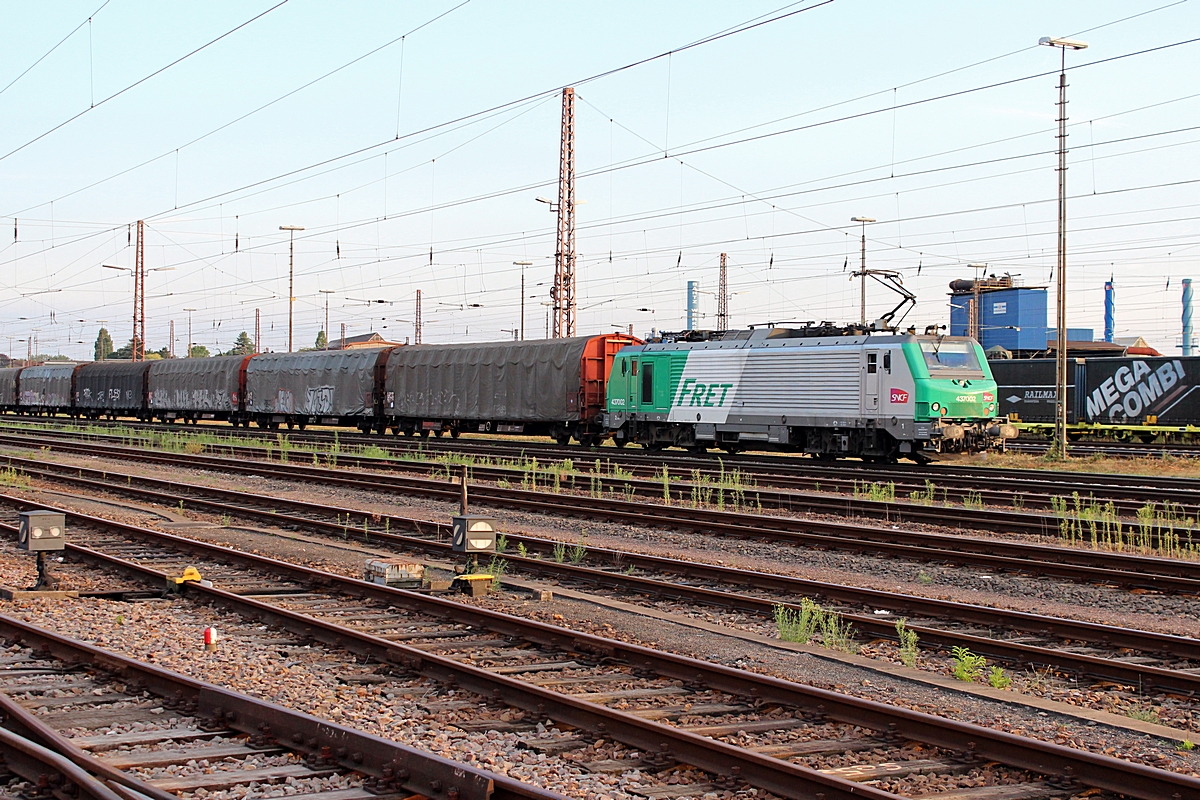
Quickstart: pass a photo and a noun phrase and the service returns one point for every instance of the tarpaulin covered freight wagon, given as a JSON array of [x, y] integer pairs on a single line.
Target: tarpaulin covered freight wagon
[[505, 385], [8, 387], [111, 386], [201, 388], [323, 386], [47, 387]]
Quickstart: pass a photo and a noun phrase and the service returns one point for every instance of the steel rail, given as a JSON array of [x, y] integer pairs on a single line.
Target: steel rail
[[1139, 489], [1163, 574], [396, 765], [1095, 770], [1146, 676], [29, 726], [764, 772], [808, 502], [34, 763]]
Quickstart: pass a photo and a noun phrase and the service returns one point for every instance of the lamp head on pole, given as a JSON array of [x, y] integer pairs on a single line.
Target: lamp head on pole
[[290, 228], [862, 219], [1068, 44]]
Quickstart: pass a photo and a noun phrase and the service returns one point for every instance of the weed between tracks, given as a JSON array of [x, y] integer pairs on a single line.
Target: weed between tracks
[[1162, 530], [811, 621]]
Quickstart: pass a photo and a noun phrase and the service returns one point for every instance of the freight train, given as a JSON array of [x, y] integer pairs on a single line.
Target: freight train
[[1138, 399], [827, 391]]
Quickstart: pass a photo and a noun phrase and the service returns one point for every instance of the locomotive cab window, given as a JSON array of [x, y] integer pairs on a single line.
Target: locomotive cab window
[[871, 365], [887, 362], [647, 383], [633, 368], [948, 358]]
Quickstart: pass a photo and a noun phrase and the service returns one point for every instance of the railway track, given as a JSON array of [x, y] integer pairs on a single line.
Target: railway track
[[58, 695], [1073, 563], [1138, 658], [673, 708], [1033, 489], [720, 494]]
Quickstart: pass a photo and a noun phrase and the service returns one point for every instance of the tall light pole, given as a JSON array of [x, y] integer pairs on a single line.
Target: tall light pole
[[862, 273], [1060, 350], [189, 344], [291, 229], [522, 265], [326, 292]]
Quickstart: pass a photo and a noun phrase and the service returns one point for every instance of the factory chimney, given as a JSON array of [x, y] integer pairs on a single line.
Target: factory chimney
[[692, 288], [1187, 316], [1110, 310]]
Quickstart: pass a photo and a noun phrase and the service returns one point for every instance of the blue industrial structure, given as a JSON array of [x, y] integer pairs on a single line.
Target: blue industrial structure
[[1110, 310], [692, 288], [1187, 316], [996, 312]]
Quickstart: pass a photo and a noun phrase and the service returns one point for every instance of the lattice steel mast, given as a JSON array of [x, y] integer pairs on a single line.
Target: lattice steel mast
[[564, 258], [138, 350], [723, 296]]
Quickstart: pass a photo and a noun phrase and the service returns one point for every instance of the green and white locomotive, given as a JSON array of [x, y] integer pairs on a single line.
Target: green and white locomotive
[[822, 390]]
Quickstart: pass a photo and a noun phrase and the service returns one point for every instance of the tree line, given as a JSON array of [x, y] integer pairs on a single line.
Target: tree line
[[242, 346]]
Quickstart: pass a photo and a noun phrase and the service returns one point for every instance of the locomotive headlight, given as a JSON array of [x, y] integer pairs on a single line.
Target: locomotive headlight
[[935, 406], [943, 412]]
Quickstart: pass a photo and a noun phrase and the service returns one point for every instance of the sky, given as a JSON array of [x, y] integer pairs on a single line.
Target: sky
[[412, 140]]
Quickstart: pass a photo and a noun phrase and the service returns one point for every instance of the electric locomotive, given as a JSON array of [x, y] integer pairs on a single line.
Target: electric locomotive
[[827, 391]]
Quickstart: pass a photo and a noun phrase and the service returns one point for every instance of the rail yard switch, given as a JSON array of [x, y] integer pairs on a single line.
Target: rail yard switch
[[473, 534], [190, 575], [42, 530], [476, 585]]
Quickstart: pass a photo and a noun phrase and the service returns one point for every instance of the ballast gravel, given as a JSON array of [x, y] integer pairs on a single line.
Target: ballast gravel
[[313, 680]]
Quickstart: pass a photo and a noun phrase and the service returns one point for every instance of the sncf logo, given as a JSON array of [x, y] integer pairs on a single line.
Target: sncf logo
[[899, 396], [988, 397]]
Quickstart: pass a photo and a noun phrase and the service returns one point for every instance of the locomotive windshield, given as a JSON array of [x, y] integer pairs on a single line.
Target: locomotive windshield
[[956, 356]]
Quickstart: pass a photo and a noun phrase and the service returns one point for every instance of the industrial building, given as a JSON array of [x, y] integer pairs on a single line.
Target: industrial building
[[999, 312]]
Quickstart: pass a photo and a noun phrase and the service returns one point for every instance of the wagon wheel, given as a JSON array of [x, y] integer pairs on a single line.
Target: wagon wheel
[[424, 433], [455, 433], [620, 443], [653, 447], [563, 439], [731, 449], [698, 449]]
